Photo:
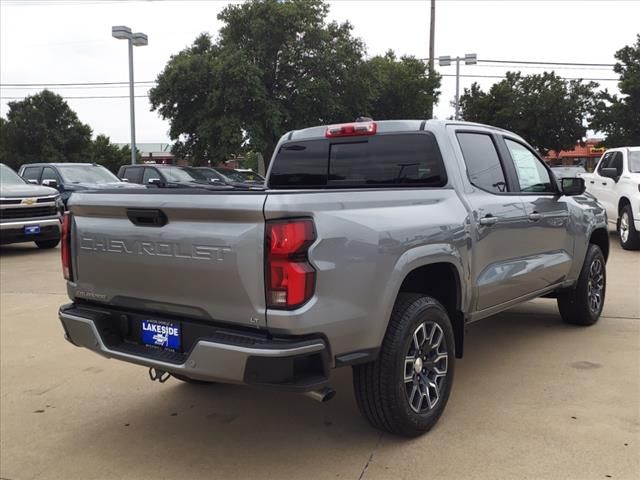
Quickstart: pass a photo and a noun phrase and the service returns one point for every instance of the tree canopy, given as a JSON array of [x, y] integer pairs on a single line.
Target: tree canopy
[[274, 67], [619, 116], [43, 128], [548, 111]]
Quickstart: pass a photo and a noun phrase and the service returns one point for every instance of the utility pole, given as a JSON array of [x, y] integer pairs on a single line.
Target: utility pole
[[432, 36]]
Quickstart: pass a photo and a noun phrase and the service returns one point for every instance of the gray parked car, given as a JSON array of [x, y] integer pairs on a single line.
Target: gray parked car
[[28, 213], [373, 245]]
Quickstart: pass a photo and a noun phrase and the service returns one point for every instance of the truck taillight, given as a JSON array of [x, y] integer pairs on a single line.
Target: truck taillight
[[290, 277], [65, 246]]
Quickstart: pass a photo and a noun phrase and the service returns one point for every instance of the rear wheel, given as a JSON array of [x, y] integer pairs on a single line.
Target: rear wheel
[[45, 244], [629, 237], [583, 304], [406, 389]]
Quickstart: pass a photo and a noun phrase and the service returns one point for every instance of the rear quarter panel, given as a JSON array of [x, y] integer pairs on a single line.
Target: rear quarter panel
[[368, 241]]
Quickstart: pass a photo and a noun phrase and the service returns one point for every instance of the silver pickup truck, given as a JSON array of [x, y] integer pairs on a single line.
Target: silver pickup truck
[[371, 244], [28, 213]]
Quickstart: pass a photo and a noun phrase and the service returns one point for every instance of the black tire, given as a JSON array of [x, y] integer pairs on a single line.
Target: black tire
[[381, 388], [577, 306], [629, 236], [193, 381], [46, 244]]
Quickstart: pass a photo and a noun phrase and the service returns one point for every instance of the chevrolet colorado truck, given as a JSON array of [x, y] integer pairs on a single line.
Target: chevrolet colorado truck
[[28, 213], [372, 244], [615, 182]]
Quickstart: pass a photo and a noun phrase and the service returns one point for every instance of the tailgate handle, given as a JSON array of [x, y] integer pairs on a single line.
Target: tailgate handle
[[147, 217]]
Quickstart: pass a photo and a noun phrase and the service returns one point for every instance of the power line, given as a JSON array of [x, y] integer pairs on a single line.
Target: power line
[[68, 84], [504, 76], [84, 97], [531, 62]]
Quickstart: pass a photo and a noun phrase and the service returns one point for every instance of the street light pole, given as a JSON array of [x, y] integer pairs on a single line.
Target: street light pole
[[134, 40], [469, 59], [132, 106]]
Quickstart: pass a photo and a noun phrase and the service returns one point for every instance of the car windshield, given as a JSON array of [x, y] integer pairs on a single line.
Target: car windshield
[[88, 173], [634, 161], [196, 173], [9, 177], [176, 174], [231, 174], [209, 173]]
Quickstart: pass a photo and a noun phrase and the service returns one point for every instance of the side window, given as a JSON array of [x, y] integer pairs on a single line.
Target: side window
[[483, 164], [616, 162], [149, 173], [134, 175], [606, 159], [532, 174], [31, 174], [49, 174]]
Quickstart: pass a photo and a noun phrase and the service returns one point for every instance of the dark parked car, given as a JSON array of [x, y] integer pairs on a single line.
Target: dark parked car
[[227, 176], [158, 175], [71, 177]]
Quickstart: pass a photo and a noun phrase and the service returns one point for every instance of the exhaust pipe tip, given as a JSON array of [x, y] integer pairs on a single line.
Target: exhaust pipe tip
[[322, 395]]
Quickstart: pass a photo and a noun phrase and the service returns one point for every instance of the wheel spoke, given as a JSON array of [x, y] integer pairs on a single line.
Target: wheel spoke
[[408, 369]]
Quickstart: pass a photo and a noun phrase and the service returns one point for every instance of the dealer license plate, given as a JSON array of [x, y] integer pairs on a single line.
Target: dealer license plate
[[161, 334]]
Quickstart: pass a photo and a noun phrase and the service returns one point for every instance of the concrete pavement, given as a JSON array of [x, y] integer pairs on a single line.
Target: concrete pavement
[[532, 399]]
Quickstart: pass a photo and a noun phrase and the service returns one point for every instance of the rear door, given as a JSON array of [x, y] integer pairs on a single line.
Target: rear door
[[609, 192], [498, 269], [547, 246]]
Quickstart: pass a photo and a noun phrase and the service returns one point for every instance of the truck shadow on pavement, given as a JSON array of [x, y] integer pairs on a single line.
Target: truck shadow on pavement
[[21, 249], [260, 432]]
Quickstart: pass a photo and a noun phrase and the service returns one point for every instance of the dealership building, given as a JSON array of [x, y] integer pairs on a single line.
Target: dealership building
[[586, 155]]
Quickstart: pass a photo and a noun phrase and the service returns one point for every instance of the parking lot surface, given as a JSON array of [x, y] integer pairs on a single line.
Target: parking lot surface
[[533, 398]]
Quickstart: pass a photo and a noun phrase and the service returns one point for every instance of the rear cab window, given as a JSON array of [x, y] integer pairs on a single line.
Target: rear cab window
[[386, 160], [484, 167]]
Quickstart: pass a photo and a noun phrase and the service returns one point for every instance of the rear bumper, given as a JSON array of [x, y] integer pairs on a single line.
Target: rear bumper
[[221, 356], [13, 231]]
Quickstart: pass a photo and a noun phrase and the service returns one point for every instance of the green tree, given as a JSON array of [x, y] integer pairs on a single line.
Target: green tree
[[109, 155], [274, 67], [43, 127], [549, 112], [619, 116], [399, 89]]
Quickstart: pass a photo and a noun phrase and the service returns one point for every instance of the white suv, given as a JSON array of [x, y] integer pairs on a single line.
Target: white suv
[[616, 184]]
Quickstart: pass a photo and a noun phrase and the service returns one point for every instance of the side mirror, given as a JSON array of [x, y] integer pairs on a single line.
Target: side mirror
[[50, 183], [572, 186], [214, 180], [126, 180], [610, 173], [155, 181]]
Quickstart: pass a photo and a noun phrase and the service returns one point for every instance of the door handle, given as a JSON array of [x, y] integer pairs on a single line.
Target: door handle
[[489, 220], [604, 183], [535, 216], [591, 181]]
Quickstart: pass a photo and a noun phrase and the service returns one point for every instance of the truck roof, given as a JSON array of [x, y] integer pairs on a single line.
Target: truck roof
[[387, 126]]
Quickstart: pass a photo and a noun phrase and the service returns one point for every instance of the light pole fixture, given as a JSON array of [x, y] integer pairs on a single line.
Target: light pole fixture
[[469, 59], [137, 39]]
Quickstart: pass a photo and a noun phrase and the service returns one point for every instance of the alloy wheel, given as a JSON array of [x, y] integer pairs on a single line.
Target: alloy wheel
[[595, 285], [624, 227], [425, 367]]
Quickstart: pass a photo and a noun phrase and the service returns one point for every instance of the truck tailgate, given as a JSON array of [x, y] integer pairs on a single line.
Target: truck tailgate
[[205, 262]]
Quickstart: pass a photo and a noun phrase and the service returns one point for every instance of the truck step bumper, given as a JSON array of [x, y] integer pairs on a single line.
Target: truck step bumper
[[294, 364]]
